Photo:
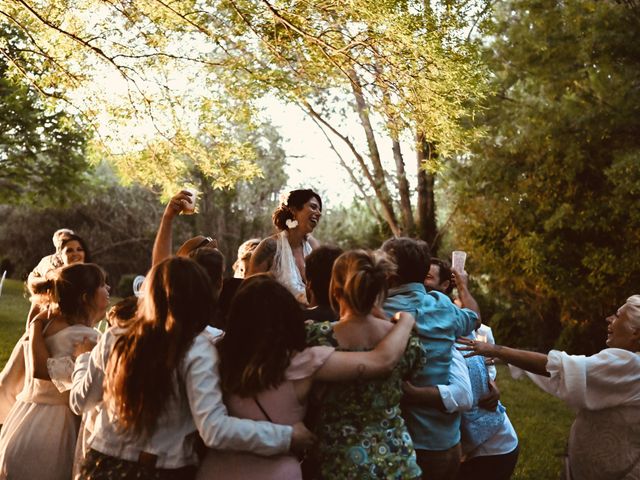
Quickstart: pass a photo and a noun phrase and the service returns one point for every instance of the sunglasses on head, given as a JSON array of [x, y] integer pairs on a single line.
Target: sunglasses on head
[[206, 241]]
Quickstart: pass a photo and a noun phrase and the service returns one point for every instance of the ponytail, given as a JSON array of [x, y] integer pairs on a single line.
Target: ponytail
[[360, 278]]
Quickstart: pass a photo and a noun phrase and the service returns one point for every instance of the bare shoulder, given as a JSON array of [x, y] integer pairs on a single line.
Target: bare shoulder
[[262, 257]]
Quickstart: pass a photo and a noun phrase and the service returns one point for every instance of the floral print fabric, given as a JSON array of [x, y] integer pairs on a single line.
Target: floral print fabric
[[361, 432]]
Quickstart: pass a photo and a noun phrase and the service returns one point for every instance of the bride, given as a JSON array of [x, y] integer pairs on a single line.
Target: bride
[[283, 253]]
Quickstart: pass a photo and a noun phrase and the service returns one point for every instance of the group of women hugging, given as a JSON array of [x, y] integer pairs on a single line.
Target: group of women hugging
[[311, 363]]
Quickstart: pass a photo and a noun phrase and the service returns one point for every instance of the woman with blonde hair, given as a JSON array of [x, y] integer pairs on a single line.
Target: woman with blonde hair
[[159, 387], [39, 435], [360, 429]]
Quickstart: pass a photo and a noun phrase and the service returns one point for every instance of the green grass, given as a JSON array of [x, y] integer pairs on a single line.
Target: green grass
[[14, 308], [541, 421]]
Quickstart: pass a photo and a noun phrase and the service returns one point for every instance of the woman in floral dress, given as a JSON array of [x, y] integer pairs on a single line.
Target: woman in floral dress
[[267, 372], [361, 432]]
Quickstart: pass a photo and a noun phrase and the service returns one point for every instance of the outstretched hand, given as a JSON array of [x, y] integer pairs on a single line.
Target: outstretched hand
[[475, 347]]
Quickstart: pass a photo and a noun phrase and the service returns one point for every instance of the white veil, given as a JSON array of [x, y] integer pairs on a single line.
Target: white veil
[[284, 267]]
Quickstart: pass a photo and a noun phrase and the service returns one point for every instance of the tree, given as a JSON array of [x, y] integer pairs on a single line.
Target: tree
[[150, 79], [550, 196], [244, 211], [42, 150], [406, 67], [406, 70], [118, 223]]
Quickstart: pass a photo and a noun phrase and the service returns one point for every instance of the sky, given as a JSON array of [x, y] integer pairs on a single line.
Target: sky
[[310, 161]]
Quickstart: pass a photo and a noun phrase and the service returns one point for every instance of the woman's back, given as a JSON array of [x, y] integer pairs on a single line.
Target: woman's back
[[362, 433], [281, 405]]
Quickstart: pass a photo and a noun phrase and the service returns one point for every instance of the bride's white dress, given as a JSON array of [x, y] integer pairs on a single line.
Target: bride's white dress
[[38, 438], [284, 267]]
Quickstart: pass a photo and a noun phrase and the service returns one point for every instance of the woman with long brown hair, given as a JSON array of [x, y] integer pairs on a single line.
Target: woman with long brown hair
[[161, 386], [267, 371], [39, 436]]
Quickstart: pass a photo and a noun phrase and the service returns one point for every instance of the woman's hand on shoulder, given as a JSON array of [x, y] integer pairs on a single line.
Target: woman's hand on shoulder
[[86, 345], [404, 318]]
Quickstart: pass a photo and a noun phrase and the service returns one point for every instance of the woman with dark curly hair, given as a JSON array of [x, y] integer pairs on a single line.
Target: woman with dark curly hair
[[267, 371], [283, 253]]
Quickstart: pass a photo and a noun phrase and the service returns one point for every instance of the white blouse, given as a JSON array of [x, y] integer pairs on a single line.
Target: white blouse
[[605, 390], [198, 409]]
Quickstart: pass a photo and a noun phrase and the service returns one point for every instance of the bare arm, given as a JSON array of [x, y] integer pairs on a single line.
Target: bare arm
[[39, 351], [262, 257], [425, 396], [533, 362], [466, 299], [313, 242], [162, 243], [379, 362], [456, 396]]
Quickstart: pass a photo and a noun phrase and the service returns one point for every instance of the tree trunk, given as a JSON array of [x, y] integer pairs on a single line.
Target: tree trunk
[[427, 227], [403, 188], [380, 185]]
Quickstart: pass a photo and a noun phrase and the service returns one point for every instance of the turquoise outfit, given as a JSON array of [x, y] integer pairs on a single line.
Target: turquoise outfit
[[439, 322]]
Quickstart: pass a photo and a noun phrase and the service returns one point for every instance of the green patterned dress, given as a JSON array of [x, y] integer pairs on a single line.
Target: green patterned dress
[[361, 432]]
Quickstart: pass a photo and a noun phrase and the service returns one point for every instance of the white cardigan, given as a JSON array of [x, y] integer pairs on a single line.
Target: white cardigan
[[198, 406]]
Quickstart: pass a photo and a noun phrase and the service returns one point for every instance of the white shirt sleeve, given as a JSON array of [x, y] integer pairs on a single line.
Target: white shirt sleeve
[[457, 396], [217, 429], [610, 378], [88, 376]]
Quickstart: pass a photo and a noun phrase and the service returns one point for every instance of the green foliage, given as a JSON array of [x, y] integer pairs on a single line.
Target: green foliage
[[550, 196], [351, 227], [165, 85], [233, 215], [42, 150], [118, 224]]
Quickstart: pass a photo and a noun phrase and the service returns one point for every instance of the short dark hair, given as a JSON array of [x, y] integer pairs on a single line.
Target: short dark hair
[[296, 199], [212, 260], [444, 272], [411, 258], [318, 265]]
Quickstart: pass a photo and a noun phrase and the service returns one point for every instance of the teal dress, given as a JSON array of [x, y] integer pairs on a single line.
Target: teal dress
[[361, 434]]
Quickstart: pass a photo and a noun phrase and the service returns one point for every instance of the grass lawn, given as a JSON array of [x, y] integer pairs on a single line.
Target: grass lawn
[[14, 307], [541, 421]]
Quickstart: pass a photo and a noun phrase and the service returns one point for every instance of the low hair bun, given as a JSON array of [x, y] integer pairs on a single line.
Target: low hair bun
[[281, 214]]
